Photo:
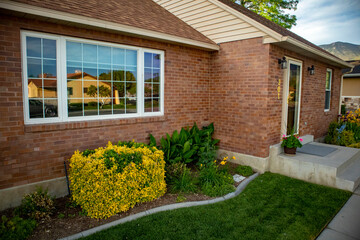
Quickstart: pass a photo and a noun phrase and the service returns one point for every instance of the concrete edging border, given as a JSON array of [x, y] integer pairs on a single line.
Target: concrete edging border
[[88, 232]]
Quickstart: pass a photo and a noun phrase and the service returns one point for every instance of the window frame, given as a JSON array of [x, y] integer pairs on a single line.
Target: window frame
[[328, 90], [61, 71]]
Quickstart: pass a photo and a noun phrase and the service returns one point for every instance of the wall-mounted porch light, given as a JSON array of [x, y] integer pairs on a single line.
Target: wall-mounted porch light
[[283, 63], [311, 70]]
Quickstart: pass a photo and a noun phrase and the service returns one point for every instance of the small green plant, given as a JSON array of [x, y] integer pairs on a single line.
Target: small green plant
[[16, 228], [61, 216], [332, 135], [346, 138], [180, 198], [291, 141], [215, 182], [71, 215], [180, 179], [245, 171], [38, 205], [217, 190]]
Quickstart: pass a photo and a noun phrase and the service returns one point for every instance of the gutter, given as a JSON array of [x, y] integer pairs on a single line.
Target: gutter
[[352, 75], [73, 18], [316, 51]]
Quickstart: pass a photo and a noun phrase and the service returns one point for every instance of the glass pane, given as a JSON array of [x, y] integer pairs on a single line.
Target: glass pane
[[73, 51], [105, 107], [156, 90], [148, 105], [148, 75], [35, 88], [50, 89], [34, 67], [33, 47], [90, 71], [156, 75], [293, 99], [90, 53], [148, 60], [328, 79], [49, 68], [90, 89], [118, 73], [131, 57], [131, 89], [74, 70], [75, 107], [49, 48], [74, 89], [36, 108], [131, 105], [118, 56], [104, 92], [51, 108], [131, 74], [147, 90], [156, 60], [119, 106], [156, 105], [90, 107], [104, 72], [104, 54], [327, 99], [118, 89]]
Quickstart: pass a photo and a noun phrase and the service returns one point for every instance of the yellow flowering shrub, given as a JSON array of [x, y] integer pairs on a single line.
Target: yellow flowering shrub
[[351, 117], [104, 184]]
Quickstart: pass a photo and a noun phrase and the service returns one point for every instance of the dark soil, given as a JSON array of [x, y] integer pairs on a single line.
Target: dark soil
[[68, 219]]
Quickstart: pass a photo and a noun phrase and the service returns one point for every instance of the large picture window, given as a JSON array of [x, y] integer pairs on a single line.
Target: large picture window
[[328, 89], [70, 79]]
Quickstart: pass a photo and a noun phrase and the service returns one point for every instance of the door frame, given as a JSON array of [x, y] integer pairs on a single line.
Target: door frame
[[286, 75]]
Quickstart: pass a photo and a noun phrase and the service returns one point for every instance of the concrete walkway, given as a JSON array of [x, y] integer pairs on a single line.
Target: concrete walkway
[[346, 224]]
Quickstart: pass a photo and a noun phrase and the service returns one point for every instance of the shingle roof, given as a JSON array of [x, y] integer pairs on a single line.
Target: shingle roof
[[144, 14], [275, 27], [355, 71]]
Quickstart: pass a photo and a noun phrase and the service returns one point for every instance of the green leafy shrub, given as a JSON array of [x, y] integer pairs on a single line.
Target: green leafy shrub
[[355, 145], [291, 141], [215, 182], [332, 135], [180, 179], [346, 138], [245, 171], [189, 146], [355, 128], [113, 179], [16, 228], [38, 205]]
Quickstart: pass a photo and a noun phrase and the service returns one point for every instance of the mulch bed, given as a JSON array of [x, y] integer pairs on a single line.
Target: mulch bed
[[68, 220]]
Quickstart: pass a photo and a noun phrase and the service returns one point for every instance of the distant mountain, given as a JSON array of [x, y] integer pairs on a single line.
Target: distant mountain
[[343, 50]]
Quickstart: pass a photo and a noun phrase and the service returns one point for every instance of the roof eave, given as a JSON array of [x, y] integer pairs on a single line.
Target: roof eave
[[76, 19], [323, 56]]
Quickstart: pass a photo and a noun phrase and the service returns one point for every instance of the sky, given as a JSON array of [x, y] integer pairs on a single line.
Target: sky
[[328, 21]]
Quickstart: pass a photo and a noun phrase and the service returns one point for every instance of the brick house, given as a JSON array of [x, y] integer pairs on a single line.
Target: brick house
[[170, 63]]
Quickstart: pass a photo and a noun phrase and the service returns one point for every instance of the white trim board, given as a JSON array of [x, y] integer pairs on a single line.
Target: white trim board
[[68, 17]]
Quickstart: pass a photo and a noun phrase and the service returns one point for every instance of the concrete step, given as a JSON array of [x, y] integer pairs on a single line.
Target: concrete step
[[353, 155], [349, 178]]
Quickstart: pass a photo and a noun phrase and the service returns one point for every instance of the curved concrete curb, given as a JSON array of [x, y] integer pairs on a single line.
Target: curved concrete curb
[[88, 232]]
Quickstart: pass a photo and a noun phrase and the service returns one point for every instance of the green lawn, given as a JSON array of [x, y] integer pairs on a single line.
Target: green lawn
[[271, 207]]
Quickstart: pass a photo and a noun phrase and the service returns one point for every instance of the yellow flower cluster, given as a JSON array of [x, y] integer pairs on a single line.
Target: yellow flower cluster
[[352, 117], [224, 161], [103, 192]]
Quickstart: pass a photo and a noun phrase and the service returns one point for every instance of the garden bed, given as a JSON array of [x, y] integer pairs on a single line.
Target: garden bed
[[68, 219]]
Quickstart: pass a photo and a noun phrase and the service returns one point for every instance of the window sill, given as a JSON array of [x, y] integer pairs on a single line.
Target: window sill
[[50, 127]]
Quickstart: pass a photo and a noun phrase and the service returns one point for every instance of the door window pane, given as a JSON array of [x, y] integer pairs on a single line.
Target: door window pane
[[293, 98]]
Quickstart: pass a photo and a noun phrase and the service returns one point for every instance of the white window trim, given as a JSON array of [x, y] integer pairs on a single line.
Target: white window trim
[[62, 80], [331, 75]]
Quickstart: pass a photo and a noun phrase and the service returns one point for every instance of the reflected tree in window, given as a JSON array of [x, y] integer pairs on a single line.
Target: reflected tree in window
[[104, 93]]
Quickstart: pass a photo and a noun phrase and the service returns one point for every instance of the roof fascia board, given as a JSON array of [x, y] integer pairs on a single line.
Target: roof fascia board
[[315, 51], [53, 14], [251, 21]]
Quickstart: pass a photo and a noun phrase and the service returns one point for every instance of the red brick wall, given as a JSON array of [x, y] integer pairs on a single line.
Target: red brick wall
[[35, 153], [244, 100], [313, 119]]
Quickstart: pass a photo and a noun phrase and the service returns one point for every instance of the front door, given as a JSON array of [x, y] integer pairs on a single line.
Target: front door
[[293, 96]]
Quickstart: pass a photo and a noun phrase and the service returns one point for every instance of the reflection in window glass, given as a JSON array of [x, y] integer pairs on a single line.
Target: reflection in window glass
[[328, 89], [108, 74], [41, 77], [151, 82]]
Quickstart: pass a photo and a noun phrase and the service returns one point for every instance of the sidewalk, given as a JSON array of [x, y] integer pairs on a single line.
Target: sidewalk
[[346, 224]]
